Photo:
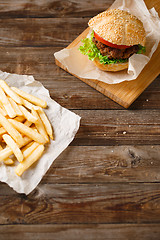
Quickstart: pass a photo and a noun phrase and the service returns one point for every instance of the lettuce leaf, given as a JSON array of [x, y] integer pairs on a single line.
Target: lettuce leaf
[[141, 49], [89, 48]]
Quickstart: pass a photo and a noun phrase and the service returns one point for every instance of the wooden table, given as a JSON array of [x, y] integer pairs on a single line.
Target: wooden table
[[106, 184]]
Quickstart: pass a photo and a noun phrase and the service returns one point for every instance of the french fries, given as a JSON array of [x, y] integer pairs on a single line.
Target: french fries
[[46, 122], [7, 151], [13, 145], [32, 158], [27, 150], [39, 125], [15, 106], [7, 106], [27, 114], [4, 113], [29, 132], [30, 98], [28, 104], [2, 131], [10, 92], [7, 161], [10, 129], [24, 127]]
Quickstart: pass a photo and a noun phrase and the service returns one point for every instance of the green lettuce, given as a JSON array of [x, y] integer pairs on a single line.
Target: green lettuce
[[89, 48], [141, 49]]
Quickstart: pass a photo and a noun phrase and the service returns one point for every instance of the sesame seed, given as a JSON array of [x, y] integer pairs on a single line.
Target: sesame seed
[[117, 19]]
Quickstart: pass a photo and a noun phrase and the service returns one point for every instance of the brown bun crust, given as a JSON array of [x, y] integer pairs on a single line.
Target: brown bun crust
[[119, 27], [110, 67]]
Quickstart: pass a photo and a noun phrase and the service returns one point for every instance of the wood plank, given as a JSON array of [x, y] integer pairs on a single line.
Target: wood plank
[[52, 8], [69, 91], [81, 192], [40, 31], [114, 164], [82, 203], [118, 127], [74, 94], [81, 231], [92, 164]]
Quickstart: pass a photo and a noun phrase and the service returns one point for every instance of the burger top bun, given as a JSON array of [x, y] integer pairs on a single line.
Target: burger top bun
[[110, 67], [118, 27]]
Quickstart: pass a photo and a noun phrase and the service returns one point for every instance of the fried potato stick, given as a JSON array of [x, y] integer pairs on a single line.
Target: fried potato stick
[[10, 129], [27, 131], [7, 151], [32, 158], [10, 92], [13, 145], [7, 106], [46, 122], [35, 100], [7, 161]]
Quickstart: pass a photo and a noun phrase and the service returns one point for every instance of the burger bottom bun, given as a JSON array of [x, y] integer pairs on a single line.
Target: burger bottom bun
[[110, 67]]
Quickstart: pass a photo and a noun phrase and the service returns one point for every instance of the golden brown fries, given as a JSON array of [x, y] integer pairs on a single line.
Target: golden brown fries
[[10, 129], [30, 98], [7, 106], [46, 122], [2, 131], [28, 104], [24, 127], [7, 151], [7, 161], [27, 150], [29, 132], [27, 123], [10, 92], [32, 158], [20, 118], [27, 114], [15, 106], [3, 109], [3, 112], [39, 125], [13, 145]]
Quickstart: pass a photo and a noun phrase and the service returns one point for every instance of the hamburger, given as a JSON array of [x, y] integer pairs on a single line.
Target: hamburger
[[116, 36]]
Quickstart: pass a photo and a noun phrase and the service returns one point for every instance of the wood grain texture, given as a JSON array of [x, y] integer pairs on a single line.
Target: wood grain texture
[[55, 8], [118, 127], [81, 231], [82, 203], [52, 8], [98, 164], [39, 33], [67, 90], [98, 188]]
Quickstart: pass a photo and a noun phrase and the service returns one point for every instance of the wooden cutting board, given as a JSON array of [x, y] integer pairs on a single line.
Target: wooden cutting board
[[124, 93]]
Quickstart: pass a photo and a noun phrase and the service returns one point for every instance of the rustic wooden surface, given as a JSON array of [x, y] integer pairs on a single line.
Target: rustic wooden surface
[[106, 184]]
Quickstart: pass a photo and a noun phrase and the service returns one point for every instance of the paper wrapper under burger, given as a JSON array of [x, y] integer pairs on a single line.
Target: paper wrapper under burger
[[65, 124], [81, 66]]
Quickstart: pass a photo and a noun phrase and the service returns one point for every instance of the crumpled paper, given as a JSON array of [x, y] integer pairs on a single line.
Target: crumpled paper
[[79, 64], [65, 124]]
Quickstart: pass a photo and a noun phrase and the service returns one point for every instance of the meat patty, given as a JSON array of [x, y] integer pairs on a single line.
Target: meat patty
[[115, 52]]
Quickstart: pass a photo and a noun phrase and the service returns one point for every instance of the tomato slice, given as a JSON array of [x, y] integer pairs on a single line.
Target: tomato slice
[[108, 43]]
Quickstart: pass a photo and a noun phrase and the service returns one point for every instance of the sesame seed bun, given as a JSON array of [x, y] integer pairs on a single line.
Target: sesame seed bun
[[110, 67], [118, 27]]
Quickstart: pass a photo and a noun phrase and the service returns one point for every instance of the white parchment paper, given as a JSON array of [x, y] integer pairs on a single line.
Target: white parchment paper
[[65, 124], [79, 64]]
